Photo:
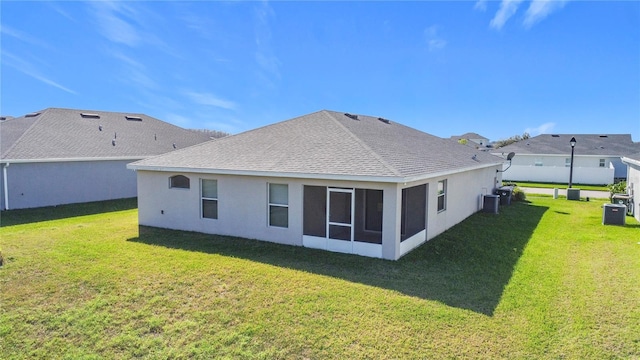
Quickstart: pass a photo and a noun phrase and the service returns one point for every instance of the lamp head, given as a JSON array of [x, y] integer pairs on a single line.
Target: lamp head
[[572, 141]]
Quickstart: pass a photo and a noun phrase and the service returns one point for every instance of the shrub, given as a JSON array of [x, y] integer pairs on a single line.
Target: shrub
[[518, 194], [618, 188]]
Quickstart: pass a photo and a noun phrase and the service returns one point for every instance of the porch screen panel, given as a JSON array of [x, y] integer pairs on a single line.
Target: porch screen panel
[[314, 215], [368, 216], [414, 213]]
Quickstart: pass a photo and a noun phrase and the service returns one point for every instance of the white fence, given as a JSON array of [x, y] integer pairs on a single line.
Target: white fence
[[560, 174]]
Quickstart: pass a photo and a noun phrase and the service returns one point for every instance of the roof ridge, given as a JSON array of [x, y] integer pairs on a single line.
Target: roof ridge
[[40, 115], [353, 136]]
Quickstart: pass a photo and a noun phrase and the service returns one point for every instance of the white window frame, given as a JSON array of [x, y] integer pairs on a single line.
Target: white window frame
[[203, 198], [602, 163], [567, 162], [271, 204], [538, 162], [442, 194]]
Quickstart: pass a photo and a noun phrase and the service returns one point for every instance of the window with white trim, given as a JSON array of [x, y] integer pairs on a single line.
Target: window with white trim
[[279, 205], [179, 182], [442, 195], [567, 162], [602, 163], [538, 162], [209, 198]]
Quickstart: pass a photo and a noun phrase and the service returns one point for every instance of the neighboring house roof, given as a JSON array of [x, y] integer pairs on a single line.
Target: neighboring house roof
[[632, 159], [84, 134], [469, 135], [586, 144], [326, 144]]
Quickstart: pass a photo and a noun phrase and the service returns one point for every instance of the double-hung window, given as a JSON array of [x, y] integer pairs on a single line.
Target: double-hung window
[[279, 205], [442, 195], [567, 162], [602, 163], [209, 195]]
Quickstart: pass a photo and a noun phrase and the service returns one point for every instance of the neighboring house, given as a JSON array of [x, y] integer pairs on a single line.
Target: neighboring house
[[61, 156], [547, 158], [473, 139], [327, 180], [633, 181]]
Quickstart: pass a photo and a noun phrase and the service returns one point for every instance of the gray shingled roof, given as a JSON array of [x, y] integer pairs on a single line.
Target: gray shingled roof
[[469, 135], [64, 134], [635, 156], [586, 144], [327, 143]]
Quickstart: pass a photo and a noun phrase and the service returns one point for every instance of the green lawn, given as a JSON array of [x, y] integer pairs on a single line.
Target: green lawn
[[543, 279]]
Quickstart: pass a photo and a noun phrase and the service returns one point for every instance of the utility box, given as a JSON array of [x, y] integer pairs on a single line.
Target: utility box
[[573, 194], [613, 214], [505, 193], [490, 204]]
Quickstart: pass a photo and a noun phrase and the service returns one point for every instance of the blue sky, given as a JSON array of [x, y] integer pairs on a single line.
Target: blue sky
[[497, 68]]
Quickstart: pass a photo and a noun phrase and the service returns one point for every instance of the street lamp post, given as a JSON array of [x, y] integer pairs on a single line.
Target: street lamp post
[[572, 142]]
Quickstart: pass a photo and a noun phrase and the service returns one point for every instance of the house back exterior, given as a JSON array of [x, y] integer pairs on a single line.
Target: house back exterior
[[326, 180], [62, 156]]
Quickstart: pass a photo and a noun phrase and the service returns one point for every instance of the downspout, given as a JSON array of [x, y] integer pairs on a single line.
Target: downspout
[[6, 187]]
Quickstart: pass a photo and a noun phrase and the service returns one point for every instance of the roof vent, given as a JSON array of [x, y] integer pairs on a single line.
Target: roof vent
[[32, 114], [115, 135], [386, 121], [113, 142], [155, 137], [555, 135], [90, 116], [354, 117], [133, 118], [99, 127], [174, 145], [604, 136], [3, 118]]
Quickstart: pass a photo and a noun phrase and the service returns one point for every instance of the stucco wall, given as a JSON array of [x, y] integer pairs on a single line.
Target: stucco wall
[[242, 205], [56, 183], [633, 180]]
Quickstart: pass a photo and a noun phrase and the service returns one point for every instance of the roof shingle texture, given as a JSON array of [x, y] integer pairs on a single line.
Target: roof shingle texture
[[328, 143], [586, 144], [65, 134]]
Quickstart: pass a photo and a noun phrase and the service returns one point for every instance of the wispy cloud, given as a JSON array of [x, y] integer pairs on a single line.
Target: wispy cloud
[[114, 21], [434, 40], [22, 36], [209, 100], [540, 9], [29, 69], [542, 129], [265, 57], [480, 5], [507, 9]]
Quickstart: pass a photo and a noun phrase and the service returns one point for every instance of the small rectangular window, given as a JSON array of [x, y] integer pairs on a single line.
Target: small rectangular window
[[602, 163], [209, 196], [567, 162], [279, 205], [179, 182], [442, 195], [538, 162]]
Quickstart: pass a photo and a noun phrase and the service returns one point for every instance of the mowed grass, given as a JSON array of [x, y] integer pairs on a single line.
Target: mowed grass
[[558, 185], [543, 279]]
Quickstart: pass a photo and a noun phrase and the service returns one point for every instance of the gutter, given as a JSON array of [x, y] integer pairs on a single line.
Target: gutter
[[49, 160], [5, 186]]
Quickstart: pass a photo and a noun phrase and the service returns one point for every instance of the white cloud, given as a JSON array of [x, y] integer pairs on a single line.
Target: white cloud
[[480, 5], [28, 69], [114, 25], [265, 56], [209, 100], [540, 9], [507, 9], [434, 40], [4, 29], [542, 129]]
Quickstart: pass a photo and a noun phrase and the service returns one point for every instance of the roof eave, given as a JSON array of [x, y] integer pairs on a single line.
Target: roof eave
[[75, 159], [337, 177]]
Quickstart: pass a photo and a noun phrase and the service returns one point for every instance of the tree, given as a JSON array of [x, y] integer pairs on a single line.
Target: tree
[[511, 140]]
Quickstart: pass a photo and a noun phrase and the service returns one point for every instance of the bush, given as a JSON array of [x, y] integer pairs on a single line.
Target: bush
[[518, 194], [619, 188]]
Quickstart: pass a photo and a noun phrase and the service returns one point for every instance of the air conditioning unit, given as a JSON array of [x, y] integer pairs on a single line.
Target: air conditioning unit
[[613, 214]]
